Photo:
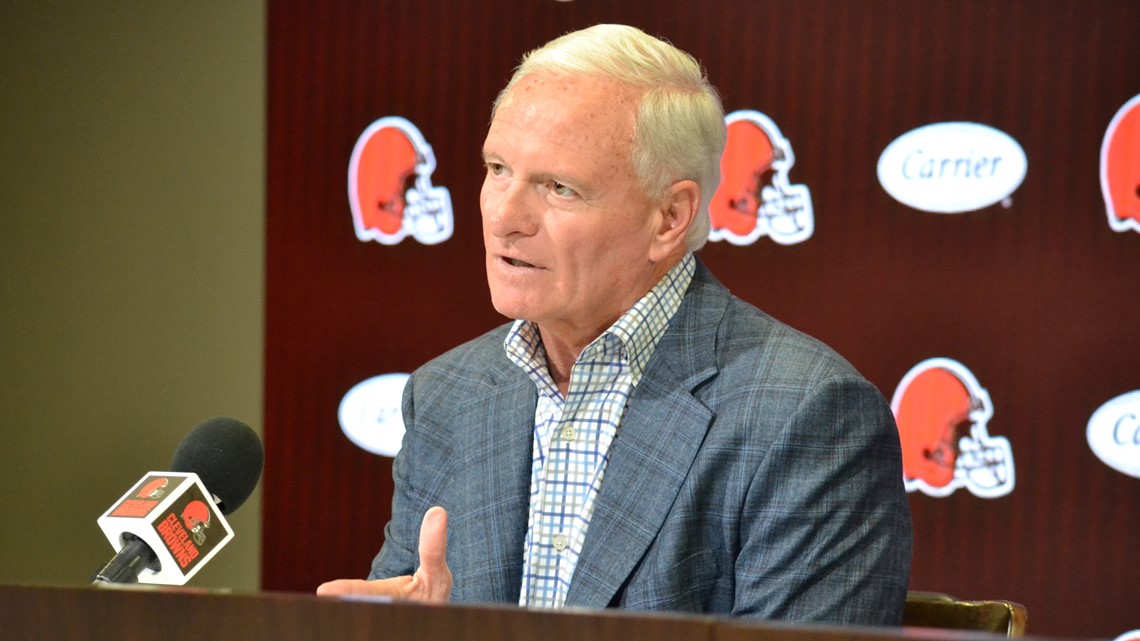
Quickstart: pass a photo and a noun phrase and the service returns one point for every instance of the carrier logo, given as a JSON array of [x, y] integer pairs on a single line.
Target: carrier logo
[[385, 208], [943, 414], [952, 167], [1114, 433], [370, 414], [756, 197], [1120, 168]]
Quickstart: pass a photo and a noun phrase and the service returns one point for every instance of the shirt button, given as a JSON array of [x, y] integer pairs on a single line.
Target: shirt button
[[560, 541], [569, 434]]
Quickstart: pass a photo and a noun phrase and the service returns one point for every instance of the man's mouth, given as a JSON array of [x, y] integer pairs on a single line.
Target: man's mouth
[[514, 262]]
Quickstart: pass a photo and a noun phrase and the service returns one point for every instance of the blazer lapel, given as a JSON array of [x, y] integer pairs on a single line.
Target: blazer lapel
[[662, 432], [501, 476]]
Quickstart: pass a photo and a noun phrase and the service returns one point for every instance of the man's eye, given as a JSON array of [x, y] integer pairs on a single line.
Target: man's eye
[[560, 189], [495, 169]]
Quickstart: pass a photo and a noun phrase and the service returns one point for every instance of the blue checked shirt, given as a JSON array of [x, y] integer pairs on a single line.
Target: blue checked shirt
[[572, 435]]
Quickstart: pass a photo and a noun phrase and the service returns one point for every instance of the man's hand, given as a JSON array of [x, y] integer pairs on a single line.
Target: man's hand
[[430, 584]]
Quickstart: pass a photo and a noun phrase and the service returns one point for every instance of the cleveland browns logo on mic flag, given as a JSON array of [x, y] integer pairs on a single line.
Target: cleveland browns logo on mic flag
[[196, 518], [756, 197], [389, 153], [942, 413], [172, 513], [1120, 168], [155, 489]]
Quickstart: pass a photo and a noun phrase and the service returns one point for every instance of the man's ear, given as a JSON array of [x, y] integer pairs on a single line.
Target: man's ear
[[678, 211]]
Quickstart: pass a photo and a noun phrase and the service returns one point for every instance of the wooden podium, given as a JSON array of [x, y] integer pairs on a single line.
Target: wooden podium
[[30, 613]]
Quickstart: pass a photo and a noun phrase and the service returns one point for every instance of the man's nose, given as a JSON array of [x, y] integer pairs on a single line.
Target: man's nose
[[511, 211]]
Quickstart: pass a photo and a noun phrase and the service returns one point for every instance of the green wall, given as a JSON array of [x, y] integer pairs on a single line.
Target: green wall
[[131, 262]]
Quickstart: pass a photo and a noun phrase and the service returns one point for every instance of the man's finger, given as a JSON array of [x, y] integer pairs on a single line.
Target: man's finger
[[432, 581], [433, 538], [395, 587]]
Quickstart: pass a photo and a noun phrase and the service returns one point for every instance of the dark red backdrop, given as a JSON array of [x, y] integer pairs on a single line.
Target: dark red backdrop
[[1040, 300]]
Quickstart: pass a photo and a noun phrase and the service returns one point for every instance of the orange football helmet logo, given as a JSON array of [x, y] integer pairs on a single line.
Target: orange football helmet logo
[[942, 413], [389, 153], [755, 197], [1120, 168]]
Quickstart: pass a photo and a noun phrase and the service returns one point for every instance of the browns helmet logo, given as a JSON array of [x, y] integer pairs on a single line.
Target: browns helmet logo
[[1120, 168], [196, 518], [154, 489], [942, 413], [385, 208], [756, 197]]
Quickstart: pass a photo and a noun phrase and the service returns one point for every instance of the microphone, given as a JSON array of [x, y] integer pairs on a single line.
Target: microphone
[[166, 527]]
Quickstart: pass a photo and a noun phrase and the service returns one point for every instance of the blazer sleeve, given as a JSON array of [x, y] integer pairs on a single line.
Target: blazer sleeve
[[825, 527], [399, 554]]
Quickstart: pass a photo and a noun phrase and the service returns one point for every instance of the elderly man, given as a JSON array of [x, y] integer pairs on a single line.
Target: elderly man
[[638, 438]]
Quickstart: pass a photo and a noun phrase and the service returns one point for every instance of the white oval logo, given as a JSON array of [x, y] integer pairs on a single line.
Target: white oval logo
[[1114, 433], [1129, 636], [370, 414], [952, 167]]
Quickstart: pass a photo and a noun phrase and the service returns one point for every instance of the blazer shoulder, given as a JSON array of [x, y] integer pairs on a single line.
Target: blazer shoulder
[[479, 361], [751, 344]]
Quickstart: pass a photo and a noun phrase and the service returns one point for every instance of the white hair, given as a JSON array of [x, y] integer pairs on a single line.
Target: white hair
[[679, 131]]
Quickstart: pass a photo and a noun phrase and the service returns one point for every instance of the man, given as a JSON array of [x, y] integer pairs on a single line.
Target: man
[[641, 438]]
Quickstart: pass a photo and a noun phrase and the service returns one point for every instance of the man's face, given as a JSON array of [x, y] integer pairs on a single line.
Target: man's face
[[567, 226]]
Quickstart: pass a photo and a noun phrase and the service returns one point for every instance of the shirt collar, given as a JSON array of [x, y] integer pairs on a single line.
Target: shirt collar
[[639, 330]]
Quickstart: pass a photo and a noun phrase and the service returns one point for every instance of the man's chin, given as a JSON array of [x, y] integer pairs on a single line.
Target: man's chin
[[507, 307]]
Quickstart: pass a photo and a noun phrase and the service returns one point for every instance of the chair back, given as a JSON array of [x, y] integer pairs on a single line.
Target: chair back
[[933, 610]]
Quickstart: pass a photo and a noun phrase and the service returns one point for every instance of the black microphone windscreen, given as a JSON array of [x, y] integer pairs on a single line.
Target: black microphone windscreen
[[227, 455]]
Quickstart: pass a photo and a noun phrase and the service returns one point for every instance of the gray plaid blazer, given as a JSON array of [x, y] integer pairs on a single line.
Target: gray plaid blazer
[[756, 473]]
